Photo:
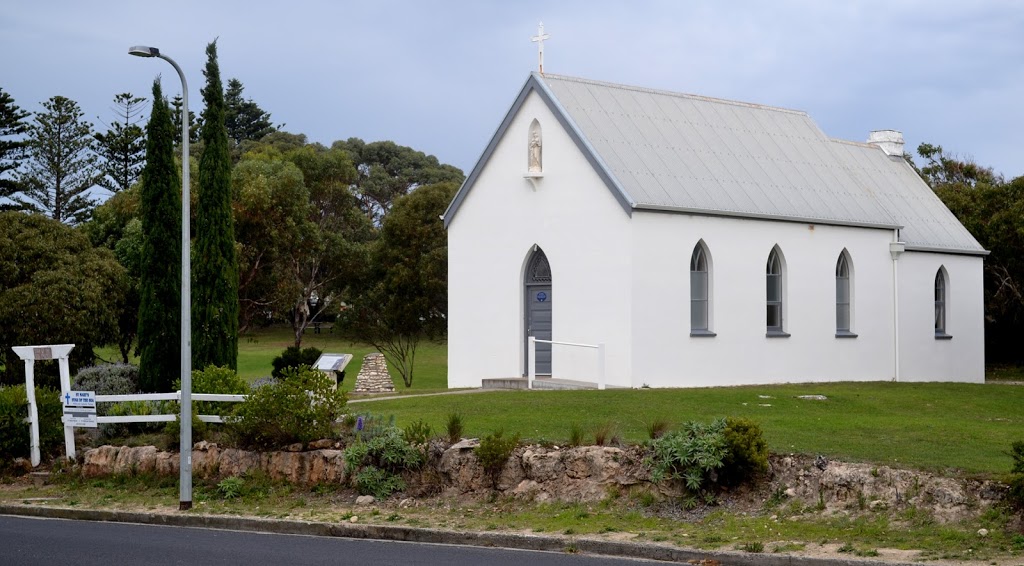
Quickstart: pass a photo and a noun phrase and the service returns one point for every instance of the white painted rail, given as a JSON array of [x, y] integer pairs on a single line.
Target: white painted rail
[[531, 373]]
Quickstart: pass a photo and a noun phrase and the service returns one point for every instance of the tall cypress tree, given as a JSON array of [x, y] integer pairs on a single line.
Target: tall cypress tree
[[159, 332], [215, 273]]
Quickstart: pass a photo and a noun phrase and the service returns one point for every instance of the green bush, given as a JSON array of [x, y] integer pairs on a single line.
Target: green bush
[[213, 379], [746, 451], [300, 406], [367, 426], [375, 466], [1015, 496], [15, 436], [417, 432], [293, 357], [692, 455], [493, 453], [454, 427], [107, 379], [727, 451], [133, 408]]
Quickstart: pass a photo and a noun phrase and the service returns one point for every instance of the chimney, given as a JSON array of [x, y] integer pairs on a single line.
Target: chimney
[[891, 141]]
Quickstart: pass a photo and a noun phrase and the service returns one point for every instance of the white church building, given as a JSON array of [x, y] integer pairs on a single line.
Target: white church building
[[702, 242]]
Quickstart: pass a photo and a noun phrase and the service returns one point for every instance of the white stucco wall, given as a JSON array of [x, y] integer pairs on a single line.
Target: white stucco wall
[[578, 223], [623, 281], [665, 355], [922, 356]]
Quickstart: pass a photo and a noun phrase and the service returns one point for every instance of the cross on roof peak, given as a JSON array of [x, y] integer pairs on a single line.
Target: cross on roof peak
[[539, 40]]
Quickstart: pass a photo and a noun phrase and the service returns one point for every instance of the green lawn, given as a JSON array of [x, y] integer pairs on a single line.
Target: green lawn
[[934, 425]]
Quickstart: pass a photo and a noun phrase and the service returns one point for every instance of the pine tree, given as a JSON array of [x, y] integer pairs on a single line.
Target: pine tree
[[244, 119], [193, 126], [12, 151], [159, 331], [62, 165], [215, 276], [123, 145]]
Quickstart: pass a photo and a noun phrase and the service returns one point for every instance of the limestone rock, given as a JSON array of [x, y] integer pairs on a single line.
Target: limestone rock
[[365, 500]]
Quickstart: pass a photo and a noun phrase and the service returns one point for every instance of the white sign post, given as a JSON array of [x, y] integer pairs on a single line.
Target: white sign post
[[30, 354]]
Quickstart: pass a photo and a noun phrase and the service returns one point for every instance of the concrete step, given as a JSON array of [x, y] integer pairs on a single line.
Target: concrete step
[[546, 383]]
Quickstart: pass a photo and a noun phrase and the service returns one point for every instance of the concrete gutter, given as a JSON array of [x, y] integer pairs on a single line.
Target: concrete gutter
[[550, 543]]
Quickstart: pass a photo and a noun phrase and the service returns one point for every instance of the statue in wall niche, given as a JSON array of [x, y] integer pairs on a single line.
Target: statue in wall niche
[[535, 148]]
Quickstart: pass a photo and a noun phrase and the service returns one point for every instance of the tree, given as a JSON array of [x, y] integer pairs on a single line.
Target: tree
[[54, 288], [159, 319], [194, 126], [271, 208], [12, 146], [123, 146], [405, 297], [243, 118], [215, 273], [388, 170], [947, 170], [115, 225], [331, 251], [62, 165]]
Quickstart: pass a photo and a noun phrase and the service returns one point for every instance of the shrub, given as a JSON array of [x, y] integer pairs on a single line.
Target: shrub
[[417, 432], [368, 426], [746, 451], [133, 408], [1015, 496], [494, 451], [15, 436], [375, 466], [107, 379], [692, 455], [293, 357], [213, 379], [301, 406], [454, 427]]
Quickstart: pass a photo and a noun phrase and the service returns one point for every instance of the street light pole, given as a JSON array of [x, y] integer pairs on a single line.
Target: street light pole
[[185, 460]]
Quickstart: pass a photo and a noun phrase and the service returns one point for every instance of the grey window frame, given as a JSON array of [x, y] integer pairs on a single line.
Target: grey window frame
[[700, 303], [774, 272], [941, 300], [844, 297]]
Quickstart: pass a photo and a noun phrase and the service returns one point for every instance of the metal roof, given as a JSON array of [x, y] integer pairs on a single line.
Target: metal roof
[[660, 150]]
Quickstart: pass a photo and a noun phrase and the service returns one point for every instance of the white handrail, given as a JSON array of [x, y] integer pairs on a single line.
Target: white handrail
[[531, 373]]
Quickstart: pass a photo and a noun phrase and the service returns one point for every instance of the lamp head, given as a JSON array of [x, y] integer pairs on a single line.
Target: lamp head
[[143, 51]]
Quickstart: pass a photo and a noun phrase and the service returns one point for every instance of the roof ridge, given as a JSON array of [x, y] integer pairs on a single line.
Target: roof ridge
[[671, 93]]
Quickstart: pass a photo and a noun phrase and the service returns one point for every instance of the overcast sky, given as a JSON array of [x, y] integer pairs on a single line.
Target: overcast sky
[[440, 75]]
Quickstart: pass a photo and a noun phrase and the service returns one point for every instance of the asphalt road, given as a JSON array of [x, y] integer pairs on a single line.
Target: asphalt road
[[31, 541]]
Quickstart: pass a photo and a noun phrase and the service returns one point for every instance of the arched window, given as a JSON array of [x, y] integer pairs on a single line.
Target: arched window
[[940, 304], [699, 289], [843, 295], [775, 293]]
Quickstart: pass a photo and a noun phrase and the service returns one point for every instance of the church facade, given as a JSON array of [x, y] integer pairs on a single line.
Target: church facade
[[702, 242]]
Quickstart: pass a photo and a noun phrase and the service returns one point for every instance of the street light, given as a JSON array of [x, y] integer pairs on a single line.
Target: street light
[[185, 461]]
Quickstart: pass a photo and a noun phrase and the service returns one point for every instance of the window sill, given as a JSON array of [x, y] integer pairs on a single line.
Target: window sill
[[776, 334], [943, 336], [702, 334], [845, 334]]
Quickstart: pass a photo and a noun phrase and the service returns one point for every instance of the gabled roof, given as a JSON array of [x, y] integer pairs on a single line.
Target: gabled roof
[[658, 150]]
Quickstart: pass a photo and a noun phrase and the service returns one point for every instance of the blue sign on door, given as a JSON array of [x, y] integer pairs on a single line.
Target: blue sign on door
[[542, 296]]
